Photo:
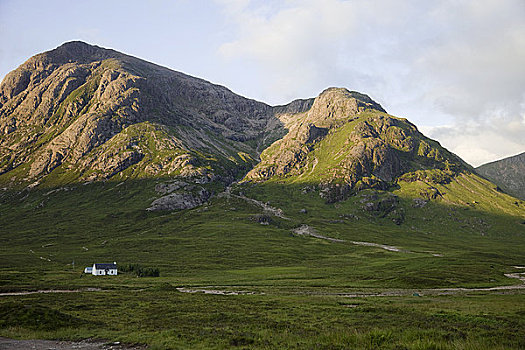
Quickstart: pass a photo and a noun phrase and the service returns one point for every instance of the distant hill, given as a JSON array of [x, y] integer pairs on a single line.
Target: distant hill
[[507, 173]]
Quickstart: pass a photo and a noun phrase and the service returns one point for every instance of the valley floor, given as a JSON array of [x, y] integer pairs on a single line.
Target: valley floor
[[289, 318], [261, 273]]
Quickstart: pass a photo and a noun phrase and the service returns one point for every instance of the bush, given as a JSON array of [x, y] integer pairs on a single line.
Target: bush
[[141, 271]]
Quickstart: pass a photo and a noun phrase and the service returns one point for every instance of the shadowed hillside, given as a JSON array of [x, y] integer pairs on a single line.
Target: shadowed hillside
[[508, 174]]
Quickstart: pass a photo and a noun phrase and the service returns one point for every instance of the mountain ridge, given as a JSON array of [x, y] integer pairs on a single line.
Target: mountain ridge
[[81, 113], [507, 173], [100, 90]]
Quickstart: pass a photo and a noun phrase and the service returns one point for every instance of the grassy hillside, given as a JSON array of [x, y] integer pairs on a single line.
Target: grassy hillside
[[469, 236]]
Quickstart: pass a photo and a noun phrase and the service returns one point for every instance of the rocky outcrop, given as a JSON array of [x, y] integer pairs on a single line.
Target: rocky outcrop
[[181, 200], [346, 143], [73, 108]]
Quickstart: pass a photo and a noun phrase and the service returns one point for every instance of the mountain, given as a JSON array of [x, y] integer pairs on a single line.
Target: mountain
[[507, 173], [86, 113], [347, 143], [81, 114], [322, 223]]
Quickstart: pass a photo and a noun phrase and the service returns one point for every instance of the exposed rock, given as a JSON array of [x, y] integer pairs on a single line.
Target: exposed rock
[[262, 219], [166, 188], [181, 200], [419, 203], [430, 193], [95, 113], [387, 206]]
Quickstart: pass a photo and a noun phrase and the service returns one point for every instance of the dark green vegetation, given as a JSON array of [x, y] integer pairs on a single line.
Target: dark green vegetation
[[346, 203], [223, 245], [140, 271], [172, 320]]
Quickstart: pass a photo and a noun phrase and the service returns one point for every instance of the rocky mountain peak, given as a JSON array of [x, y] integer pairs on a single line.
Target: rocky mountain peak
[[335, 104], [338, 95], [347, 142], [93, 113], [77, 51], [83, 113]]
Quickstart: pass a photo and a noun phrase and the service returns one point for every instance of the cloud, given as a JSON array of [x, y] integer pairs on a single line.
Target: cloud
[[454, 67]]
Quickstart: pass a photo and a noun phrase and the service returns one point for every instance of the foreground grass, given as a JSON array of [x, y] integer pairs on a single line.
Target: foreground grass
[[167, 319], [467, 239]]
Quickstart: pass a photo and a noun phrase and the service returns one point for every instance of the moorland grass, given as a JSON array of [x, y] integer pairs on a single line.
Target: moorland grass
[[476, 233]]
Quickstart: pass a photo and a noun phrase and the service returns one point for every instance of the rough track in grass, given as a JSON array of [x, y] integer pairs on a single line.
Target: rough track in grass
[[390, 248], [46, 291], [205, 290], [440, 291], [278, 212], [88, 344], [388, 293], [305, 230]]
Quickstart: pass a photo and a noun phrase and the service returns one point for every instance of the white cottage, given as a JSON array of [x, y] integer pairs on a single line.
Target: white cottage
[[104, 269]]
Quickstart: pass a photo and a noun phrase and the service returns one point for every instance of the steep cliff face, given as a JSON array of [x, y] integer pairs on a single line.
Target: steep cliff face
[[347, 142], [507, 173], [94, 113]]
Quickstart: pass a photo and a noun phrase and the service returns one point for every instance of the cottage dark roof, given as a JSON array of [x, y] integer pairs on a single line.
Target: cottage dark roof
[[105, 266]]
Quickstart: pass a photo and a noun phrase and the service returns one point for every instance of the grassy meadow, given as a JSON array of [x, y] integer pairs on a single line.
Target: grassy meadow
[[301, 288]]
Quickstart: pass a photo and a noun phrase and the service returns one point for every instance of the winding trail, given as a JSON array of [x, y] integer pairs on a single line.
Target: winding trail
[[278, 212], [205, 290], [390, 248], [89, 344], [305, 230]]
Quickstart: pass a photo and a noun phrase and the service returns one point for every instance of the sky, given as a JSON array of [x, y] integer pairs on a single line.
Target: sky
[[454, 68]]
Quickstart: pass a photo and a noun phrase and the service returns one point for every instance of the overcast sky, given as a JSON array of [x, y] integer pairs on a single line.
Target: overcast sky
[[455, 68]]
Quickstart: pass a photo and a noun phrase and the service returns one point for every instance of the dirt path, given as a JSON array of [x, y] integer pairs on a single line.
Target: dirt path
[[13, 344], [305, 230], [205, 290], [390, 248], [51, 291], [265, 207], [439, 291]]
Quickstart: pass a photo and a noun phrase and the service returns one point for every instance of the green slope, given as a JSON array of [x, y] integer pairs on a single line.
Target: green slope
[[469, 237], [343, 235]]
